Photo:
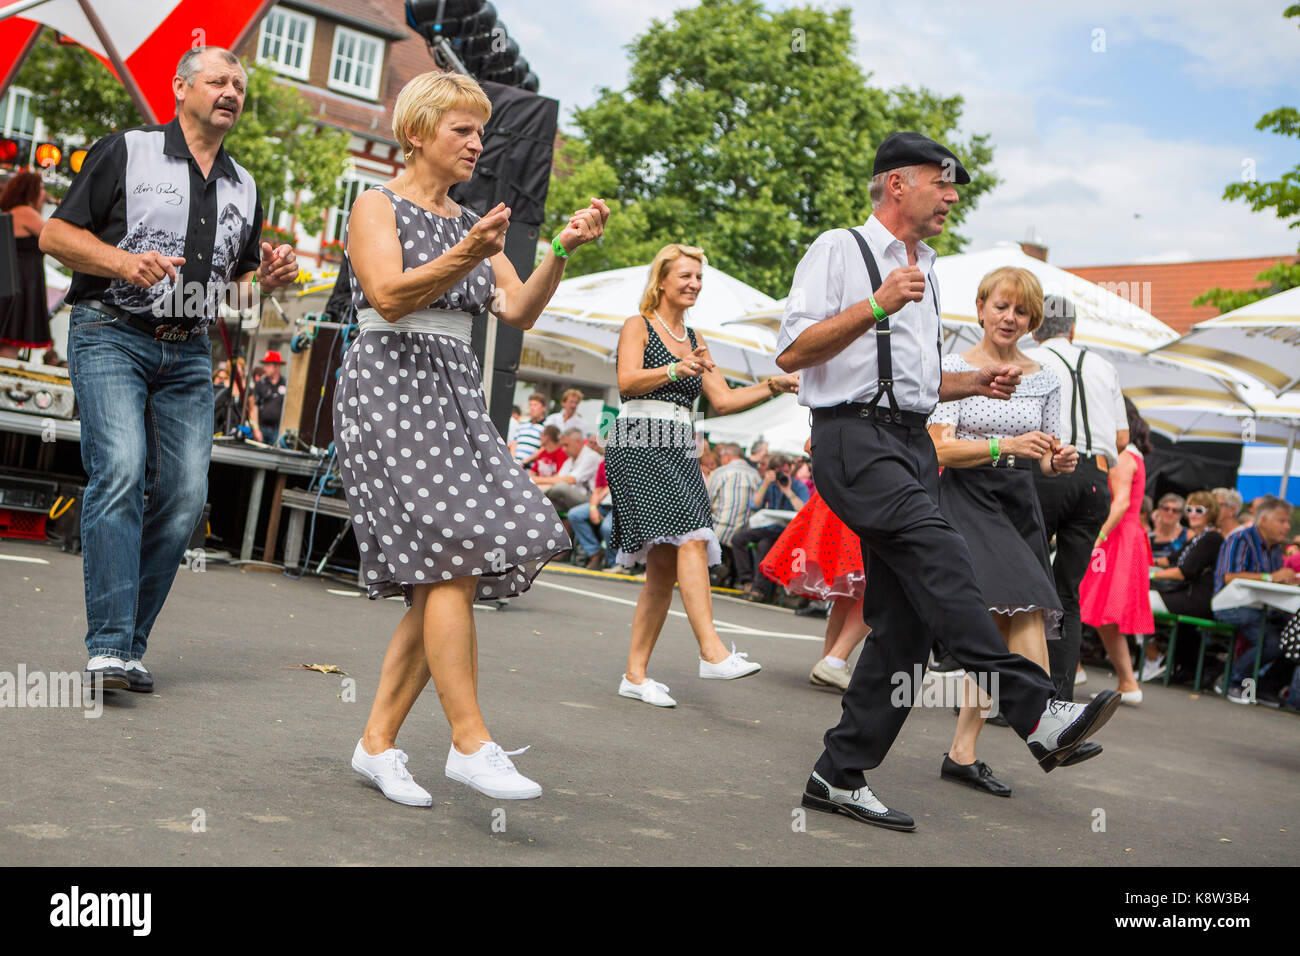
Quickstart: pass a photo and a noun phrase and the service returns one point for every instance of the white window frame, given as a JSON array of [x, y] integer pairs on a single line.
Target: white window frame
[[11, 104], [341, 35], [339, 215], [302, 72]]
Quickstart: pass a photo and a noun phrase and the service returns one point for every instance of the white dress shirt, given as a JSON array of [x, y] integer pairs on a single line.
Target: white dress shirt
[[831, 278], [583, 468], [558, 420], [1106, 413]]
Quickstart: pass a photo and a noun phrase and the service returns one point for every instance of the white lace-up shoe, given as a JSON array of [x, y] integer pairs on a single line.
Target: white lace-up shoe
[[1064, 725], [107, 672], [388, 772], [860, 804], [734, 666], [490, 771], [650, 691]]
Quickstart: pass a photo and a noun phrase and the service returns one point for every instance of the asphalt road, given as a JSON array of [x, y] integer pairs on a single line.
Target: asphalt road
[[242, 757]]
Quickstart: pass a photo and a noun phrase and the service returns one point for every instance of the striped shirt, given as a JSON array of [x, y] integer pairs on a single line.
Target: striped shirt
[[731, 489], [1245, 552], [527, 440]]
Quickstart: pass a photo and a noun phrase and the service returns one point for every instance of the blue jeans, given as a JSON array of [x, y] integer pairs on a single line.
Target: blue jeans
[[1254, 624], [146, 440], [585, 532]]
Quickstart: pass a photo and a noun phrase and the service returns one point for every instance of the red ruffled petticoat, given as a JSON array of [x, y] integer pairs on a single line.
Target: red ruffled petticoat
[[817, 556]]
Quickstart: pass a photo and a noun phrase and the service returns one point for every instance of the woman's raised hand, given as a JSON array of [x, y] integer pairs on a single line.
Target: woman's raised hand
[[488, 236], [585, 225], [695, 364]]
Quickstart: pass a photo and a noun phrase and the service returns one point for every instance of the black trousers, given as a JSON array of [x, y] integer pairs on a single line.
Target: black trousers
[[883, 482], [746, 564], [1075, 507]]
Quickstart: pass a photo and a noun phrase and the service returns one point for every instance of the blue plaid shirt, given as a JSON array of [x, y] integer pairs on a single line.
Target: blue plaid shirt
[[1245, 552]]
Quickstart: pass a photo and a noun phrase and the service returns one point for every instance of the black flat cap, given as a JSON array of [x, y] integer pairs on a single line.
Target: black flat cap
[[913, 149]]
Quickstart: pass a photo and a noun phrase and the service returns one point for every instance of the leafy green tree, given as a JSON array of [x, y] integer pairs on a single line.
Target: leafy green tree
[[276, 138], [747, 132], [1282, 195]]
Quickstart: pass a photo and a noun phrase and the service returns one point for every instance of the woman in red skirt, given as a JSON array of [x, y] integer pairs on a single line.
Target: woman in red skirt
[[1115, 595], [818, 557]]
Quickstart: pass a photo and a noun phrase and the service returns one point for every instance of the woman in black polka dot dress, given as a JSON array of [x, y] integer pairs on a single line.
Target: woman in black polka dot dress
[[441, 513], [661, 508]]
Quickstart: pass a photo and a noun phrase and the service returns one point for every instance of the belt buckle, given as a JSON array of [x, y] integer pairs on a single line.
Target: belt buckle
[[1010, 460], [171, 333]]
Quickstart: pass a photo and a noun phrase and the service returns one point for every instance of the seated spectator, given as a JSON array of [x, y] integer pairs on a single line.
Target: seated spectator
[[586, 518], [778, 491], [512, 429], [1144, 516], [528, 436], [1255, 553], [1292, 557], [708, 462], [731, 490], [1187, 587], [758, 456], [1167, 534], [1229, 508], [570, 486], [804, 472], [550, 456], [567, 417]]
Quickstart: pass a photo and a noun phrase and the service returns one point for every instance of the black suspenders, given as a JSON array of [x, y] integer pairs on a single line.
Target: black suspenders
[[1077, 395], [884, 357]]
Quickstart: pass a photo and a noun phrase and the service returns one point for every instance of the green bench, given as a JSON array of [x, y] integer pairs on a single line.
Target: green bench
[[1209, 631]]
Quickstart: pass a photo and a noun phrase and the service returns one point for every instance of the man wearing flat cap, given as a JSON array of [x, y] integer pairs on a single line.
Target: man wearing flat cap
[[862, 324]]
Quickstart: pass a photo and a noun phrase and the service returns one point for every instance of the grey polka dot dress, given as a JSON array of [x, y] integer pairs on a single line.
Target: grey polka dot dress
[[432, 488]]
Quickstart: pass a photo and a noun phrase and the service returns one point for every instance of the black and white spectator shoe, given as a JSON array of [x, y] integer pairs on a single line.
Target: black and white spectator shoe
[[1064, 725], [107, 672], [860, 804]]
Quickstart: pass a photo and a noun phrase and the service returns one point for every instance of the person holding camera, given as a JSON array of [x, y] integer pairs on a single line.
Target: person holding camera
[[778, 491]]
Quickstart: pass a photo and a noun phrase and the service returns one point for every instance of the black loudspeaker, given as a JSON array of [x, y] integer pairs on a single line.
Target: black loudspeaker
[[515, 168], [8, 257]]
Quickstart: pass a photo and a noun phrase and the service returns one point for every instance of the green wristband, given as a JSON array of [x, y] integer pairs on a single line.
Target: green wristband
[[559, 249], [672, 371], [880, 313], [995, 450], [1268, 578]]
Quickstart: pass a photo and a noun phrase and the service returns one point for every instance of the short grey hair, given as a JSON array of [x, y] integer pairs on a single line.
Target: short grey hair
[[188, 67], [1229, 497], [877, 188], [1058, 318], [1270, 503], [574, 431]]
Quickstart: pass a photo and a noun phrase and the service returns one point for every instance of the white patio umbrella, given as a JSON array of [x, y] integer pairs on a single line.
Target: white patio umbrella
[[588, 312], [1261, 418], [1261, 339]]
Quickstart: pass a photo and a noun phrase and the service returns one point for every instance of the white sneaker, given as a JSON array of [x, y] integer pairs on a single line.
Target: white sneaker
[[1080, 676], [651, 691], [1064, 725], [826, 675], [1153, 669], [388, 772], [489, 771], [734, 666]]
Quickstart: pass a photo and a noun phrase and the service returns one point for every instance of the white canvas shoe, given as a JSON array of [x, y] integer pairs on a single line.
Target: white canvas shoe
[[489, 771], [734, 666], [651, 691], [388, 772]]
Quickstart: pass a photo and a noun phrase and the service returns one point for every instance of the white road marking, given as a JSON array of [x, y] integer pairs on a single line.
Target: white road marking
[[21, 560], [724, 627], [343, 593]]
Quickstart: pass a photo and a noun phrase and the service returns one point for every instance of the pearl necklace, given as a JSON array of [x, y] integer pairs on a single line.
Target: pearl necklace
[[679, 338]]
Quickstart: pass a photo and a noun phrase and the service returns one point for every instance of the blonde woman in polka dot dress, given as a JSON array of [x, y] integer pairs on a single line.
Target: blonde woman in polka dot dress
[[441, 514], [661, 508]]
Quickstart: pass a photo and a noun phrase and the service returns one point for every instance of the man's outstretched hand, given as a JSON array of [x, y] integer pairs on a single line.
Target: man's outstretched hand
[[997, 381]]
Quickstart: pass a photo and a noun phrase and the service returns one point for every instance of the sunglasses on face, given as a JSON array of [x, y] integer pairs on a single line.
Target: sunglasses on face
[[1196, 509], [1172, 509]]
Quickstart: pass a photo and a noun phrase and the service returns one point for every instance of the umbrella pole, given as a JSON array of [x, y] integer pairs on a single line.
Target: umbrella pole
[[1286, 464], [123, 74]]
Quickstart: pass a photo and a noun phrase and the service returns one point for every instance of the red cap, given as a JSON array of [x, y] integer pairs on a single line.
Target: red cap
[[272, 357]]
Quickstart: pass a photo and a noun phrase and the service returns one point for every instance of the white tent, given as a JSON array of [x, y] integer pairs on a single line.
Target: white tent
[[1261, 340], [588, 312], [782, 422]]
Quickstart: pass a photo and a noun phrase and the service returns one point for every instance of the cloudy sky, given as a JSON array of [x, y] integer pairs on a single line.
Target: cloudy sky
[[1110, 156]]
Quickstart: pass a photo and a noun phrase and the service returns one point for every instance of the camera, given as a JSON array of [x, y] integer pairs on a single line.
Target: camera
[[782, 479]]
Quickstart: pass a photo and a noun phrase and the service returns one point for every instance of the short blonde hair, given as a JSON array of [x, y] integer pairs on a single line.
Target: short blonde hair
[[1025, 289], [659, 268], [424, 101]]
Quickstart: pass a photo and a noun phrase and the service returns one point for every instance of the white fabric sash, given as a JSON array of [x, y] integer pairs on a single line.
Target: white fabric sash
[[651, 408], [432, 321]]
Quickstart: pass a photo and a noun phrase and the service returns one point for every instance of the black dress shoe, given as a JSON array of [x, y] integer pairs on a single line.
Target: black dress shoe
[[1085, 751], [976, 775], [860, 804], [139, 679]]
